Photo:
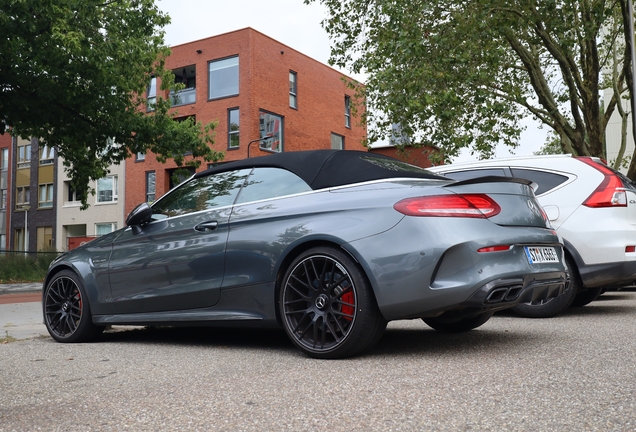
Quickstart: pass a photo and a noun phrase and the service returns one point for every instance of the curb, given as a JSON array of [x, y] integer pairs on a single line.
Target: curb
[[21, 288]]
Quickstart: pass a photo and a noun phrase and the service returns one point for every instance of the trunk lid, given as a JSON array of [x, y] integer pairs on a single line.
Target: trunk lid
[[519, 206]]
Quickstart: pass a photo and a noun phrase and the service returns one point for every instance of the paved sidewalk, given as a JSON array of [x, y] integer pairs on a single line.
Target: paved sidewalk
[[21, 288], [22, 320]]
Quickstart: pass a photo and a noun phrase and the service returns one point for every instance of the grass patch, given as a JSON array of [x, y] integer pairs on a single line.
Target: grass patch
[[7, 338], [18, 268]]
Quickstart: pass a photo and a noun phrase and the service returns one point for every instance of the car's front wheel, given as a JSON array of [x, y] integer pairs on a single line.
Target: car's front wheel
[[67, 314], [327, 305], [448, 324]]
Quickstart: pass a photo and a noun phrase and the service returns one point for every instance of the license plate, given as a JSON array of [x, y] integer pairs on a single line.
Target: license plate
[[540, 254]]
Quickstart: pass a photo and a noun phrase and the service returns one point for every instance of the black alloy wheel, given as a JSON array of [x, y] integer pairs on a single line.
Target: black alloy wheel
[[555, 305], [66, 311], [327, 306]]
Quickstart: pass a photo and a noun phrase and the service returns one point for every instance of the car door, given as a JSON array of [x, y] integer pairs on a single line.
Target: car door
[[177, 261], [262, 227]]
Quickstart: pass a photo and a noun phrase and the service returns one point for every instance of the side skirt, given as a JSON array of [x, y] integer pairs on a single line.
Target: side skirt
[[188, 316]]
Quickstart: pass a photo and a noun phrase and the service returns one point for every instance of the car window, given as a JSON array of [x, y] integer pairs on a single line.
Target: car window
[[627, 182], [545, 180], [471, 174], [202, 193], [266, 183]]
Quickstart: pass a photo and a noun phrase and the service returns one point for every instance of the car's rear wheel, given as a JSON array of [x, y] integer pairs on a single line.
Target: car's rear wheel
[[555, 305], [327, 305], [585, 297], [67, 314], [448, 324]]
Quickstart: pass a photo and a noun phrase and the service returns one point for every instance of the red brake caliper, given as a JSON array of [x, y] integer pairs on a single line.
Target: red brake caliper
[[347, 297]]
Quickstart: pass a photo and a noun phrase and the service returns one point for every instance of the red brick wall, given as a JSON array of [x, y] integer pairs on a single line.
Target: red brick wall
[[414, 156], [264, 66]]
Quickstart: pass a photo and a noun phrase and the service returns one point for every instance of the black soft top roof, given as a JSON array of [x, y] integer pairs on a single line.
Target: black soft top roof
[[329, 168]]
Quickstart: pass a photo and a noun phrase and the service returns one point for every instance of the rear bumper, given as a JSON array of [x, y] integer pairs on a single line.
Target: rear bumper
[[505, 293]]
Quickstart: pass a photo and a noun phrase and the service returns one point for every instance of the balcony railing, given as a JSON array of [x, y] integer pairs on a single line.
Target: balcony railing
[[184, 97]]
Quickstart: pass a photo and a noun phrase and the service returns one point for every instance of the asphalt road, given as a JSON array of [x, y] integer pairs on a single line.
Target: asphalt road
[[575, 372]]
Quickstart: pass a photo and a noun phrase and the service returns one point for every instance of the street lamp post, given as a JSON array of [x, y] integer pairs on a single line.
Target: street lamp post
[[26, 208], [250, 143]]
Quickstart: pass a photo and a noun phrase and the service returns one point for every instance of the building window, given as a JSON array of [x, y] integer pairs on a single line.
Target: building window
[[223, 78], [18, 240], [188, 77], [347, 108], [233, 128], [271, 129], [140, 157], [45, 198], [337, 141], [46, 155], [71, 194], [150, 186], [24, 155], [4, 166], [293, 101], [22, 196], [4, 159], [44, 238], [105, 228], [151, 95], [107, 189]]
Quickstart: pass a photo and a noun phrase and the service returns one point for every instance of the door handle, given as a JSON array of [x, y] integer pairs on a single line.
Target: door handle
[[206, 226]]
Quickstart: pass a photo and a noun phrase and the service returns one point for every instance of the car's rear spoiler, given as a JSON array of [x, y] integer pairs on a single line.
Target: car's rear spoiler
[[491, 179]]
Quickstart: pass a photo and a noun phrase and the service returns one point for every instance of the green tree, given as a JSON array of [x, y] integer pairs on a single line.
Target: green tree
[[74, 74], [462, 74], [551, 146]]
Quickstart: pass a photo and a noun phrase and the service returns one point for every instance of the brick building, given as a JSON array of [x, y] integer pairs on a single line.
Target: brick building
[[257, 89], [33, 207], [418, 156]]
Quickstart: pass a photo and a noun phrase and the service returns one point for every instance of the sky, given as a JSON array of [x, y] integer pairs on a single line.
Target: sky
[[293, 23]]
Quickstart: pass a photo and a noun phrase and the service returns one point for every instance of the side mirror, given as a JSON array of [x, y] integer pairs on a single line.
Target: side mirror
[[142, 214]]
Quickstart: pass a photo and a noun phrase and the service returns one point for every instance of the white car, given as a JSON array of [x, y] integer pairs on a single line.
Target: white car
[[591, 206]]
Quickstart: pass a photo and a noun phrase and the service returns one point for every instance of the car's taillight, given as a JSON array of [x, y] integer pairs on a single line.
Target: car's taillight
[[467, 205], [611, 192]]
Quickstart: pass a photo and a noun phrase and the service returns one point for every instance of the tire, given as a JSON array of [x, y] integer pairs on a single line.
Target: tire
[[553, 306], [327, 305], [586, 297], [67, 314], [450, 325]]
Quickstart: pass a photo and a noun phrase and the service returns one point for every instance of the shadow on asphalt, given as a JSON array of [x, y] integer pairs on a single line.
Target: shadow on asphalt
[[593, 309], [422, 341], [418, 339], [612, 296]]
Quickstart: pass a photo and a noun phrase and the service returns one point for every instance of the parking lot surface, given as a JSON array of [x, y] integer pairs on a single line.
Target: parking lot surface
[[575, 372]]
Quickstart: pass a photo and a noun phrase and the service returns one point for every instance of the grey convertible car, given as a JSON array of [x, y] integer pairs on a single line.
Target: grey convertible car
[[329, 244]]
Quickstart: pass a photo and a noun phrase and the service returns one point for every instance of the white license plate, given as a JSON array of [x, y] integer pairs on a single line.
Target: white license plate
[[541, 254]]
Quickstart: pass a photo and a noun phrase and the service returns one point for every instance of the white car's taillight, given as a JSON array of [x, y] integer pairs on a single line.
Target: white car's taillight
[[611, 191], [466, 205]]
